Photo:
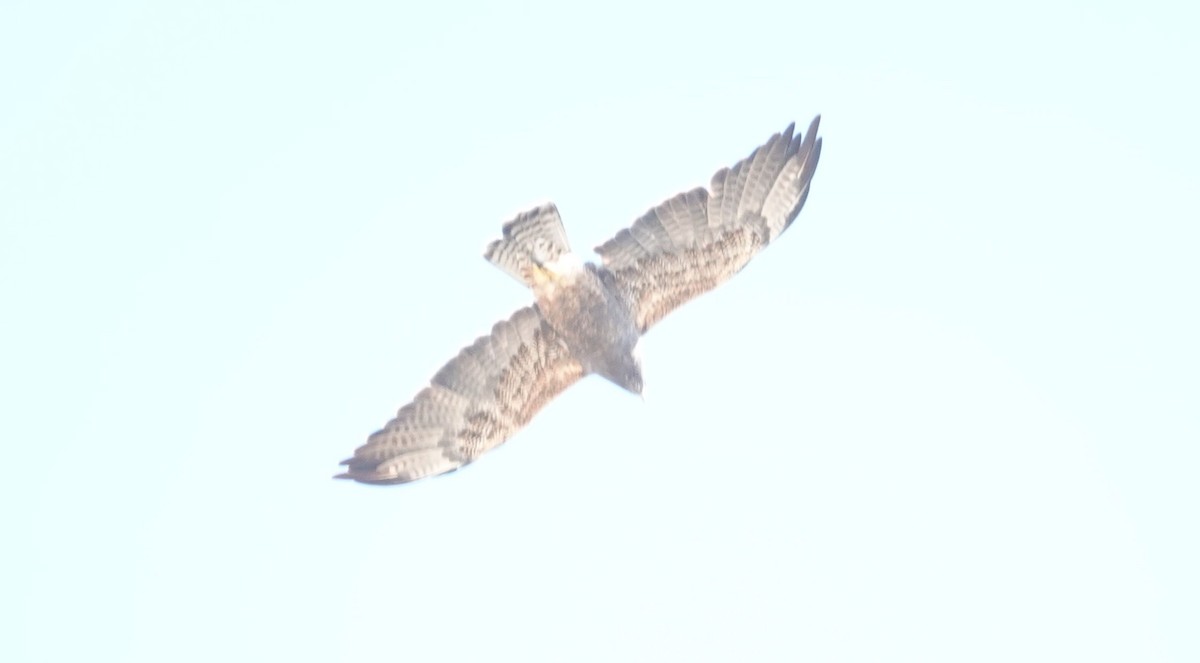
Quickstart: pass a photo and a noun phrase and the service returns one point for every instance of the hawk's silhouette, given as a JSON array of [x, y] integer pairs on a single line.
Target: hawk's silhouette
[[588, 318]]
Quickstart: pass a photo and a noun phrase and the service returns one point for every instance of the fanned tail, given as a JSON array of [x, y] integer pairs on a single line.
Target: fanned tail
[[533, 239]]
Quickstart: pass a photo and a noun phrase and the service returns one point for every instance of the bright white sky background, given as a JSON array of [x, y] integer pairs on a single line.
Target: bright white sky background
[[952, 415]]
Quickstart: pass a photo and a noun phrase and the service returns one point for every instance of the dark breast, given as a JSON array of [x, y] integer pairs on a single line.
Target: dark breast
[[592, 318]]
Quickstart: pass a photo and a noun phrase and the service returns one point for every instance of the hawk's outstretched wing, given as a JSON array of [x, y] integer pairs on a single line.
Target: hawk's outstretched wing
[[491, 389], [697, 240]]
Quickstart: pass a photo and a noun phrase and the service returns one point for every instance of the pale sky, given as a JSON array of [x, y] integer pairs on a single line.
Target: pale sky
[[951, 415]]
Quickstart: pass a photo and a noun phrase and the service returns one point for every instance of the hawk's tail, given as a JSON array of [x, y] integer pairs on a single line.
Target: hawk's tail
[[532, 239]]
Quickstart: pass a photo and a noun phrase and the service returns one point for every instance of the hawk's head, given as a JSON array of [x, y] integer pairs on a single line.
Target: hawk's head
[[625, 370]]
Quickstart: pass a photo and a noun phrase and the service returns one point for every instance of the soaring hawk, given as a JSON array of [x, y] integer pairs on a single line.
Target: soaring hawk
[[588, 317]]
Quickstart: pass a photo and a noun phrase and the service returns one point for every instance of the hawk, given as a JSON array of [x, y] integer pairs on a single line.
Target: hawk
[[588, 318]]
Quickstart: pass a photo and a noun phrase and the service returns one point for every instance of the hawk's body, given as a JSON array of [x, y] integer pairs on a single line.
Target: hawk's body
[[588, 318]]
